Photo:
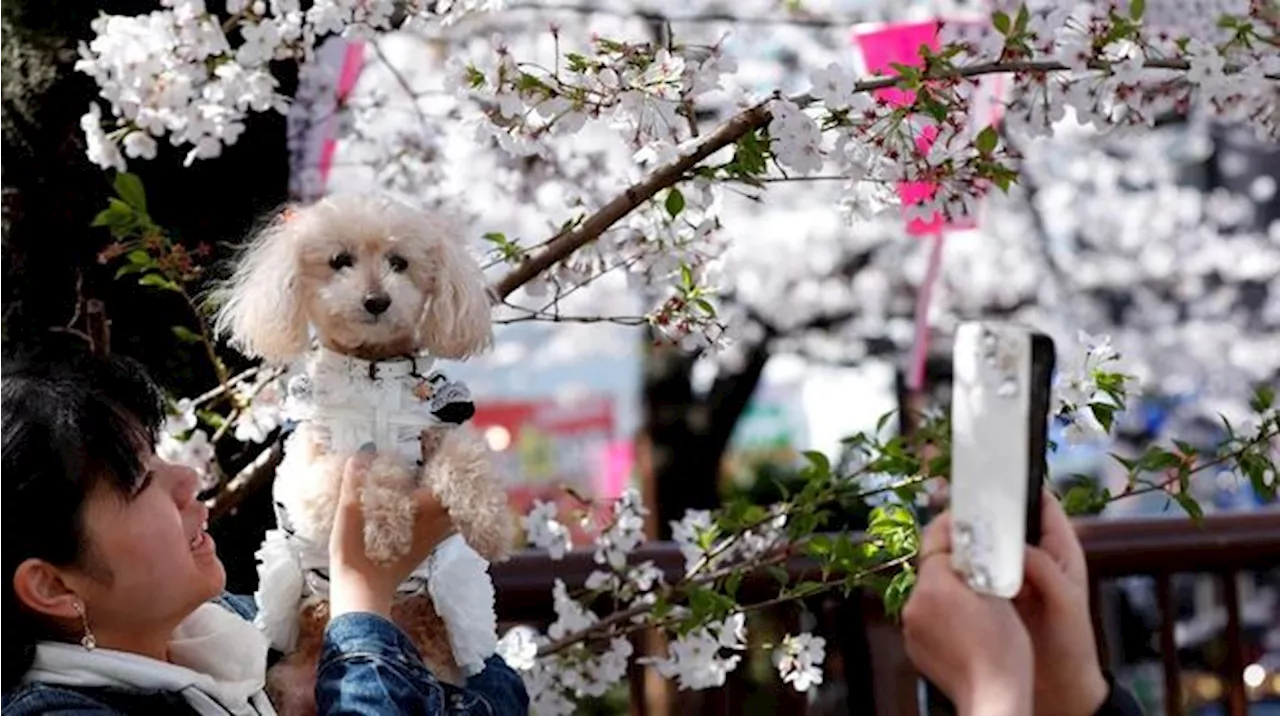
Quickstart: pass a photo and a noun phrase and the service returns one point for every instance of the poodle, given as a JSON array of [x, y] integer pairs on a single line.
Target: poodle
[[360, 294]]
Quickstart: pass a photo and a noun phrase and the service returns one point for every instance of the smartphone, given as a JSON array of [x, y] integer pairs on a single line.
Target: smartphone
[[1000, 404]]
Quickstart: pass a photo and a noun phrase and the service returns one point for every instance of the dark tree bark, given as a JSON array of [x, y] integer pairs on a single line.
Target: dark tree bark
[[688, 433]]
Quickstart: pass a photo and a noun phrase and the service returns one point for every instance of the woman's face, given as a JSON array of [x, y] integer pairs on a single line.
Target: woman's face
[[156, 560]]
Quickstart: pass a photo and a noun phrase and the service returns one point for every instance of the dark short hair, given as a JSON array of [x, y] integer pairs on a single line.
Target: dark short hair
[[73, 423]]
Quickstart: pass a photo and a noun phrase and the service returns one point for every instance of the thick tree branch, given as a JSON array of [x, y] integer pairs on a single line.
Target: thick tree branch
[[563, 245]]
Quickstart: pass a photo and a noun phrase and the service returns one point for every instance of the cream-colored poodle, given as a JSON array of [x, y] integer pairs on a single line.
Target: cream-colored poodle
[[381, 290]]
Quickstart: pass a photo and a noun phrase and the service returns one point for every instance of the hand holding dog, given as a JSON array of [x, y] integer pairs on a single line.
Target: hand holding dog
[[357, 583]]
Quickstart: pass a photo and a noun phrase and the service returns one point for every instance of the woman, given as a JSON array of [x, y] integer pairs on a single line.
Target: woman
[[1034, 654], [113, 599]]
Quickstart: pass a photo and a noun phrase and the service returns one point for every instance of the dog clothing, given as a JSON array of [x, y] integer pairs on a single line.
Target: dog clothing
[[349, 402]]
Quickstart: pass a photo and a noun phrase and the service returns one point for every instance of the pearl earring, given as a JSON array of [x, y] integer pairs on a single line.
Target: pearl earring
[[87, 641]]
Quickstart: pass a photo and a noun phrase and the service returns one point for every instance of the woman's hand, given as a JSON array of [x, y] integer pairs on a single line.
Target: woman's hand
[[357, 583], [1054, 606], [971, 645]]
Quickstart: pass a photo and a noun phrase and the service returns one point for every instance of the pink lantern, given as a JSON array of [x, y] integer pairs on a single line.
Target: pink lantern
[[881, 49]]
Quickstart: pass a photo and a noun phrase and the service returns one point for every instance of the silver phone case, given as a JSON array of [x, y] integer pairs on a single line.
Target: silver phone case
[[999, 416]]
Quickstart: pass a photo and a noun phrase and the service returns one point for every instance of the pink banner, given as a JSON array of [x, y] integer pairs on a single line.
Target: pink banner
[[882, 49], [352, 63], [900, 45]]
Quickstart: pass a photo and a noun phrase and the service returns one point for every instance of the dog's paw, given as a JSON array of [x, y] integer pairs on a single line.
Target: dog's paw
[[388, 524]]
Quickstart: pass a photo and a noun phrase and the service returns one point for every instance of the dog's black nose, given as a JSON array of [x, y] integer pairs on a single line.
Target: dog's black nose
[[376, 302]]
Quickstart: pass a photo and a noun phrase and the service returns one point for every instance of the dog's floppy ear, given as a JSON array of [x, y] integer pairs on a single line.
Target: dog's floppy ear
[[456, 321], [259, 307]]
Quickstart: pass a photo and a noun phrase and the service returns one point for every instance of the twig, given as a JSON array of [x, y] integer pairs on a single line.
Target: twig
[[246, 482], [222, 389], [98, 326], [550, 318], [402, 81]]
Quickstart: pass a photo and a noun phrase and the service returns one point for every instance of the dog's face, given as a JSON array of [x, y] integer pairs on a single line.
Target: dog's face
[[374, 278], [366, 292]]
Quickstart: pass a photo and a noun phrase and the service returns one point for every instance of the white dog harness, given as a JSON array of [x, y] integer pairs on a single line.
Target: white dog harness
[[388, 403], [349, 402]]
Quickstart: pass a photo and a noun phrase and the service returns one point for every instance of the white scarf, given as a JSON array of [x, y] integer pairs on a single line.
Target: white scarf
[[218, 663]]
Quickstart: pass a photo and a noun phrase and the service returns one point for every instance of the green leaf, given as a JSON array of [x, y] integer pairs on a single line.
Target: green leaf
[[1105, 413], [1128, 464], [155, 280], [1263, 398], [779, 574], [674, 202], [819, 546], [1137, 8], [129, 188], [1189, 505], [732, 582], [1001, 22], [118, 216], [706, 306], [130, 268], [1085, 499], [686, 276], [898, 591], [1024, 17], [496, 237], [211, 418], [821, 465], [884, 420], [1185, 448], [186, 335], [987, 140], [1157, 458]]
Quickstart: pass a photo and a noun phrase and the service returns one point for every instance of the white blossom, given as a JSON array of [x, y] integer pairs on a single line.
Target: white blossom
[[703, 658], [543, 531], [625, 533], [799, 660], [195, 452], [518, 647]]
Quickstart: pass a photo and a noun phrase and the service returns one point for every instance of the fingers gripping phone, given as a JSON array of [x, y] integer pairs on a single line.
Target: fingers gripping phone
[[999, 434]]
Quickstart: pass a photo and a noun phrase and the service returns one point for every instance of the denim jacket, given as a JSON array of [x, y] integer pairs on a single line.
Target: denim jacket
[[367, 666]]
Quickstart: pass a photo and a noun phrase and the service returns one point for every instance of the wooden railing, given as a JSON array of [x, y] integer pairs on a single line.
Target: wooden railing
[[866, 657]]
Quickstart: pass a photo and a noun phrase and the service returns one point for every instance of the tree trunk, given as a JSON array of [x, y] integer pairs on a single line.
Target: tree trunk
[[688, 434]]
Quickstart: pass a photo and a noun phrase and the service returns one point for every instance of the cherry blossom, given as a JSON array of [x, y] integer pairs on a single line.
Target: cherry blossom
[[799, 660]]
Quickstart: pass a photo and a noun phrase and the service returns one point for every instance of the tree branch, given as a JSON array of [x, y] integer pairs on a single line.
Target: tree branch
[[566, 243], [247, 481]]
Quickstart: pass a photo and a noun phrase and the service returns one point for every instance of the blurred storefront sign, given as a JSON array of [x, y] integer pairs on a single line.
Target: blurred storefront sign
[[550, 450]]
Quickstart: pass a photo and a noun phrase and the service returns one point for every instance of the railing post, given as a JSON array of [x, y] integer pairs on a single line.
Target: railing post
[[1169, 645], [1237, 700]]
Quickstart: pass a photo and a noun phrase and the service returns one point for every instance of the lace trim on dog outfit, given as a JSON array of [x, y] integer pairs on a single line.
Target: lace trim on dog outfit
[[350, 402]]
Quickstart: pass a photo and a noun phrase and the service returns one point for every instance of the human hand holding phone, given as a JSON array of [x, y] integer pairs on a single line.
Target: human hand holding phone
[[972, 646], [1054, 607]]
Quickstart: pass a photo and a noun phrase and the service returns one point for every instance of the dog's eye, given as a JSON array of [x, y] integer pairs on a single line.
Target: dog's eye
[[397, 262], [341, 260]]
